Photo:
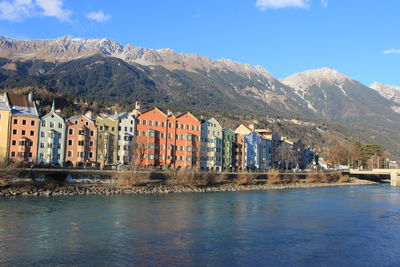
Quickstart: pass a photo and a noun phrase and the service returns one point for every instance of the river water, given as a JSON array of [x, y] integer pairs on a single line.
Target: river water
[[340, 226]]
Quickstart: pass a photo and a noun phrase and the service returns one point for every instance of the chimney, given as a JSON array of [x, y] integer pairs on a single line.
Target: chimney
[[137, 105], [30, 97], [169, 112]]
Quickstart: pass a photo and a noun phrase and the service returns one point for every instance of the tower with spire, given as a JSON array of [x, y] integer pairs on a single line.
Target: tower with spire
[[52, 136]]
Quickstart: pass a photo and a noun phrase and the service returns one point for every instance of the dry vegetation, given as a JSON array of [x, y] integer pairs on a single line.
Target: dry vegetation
[[7, 172]]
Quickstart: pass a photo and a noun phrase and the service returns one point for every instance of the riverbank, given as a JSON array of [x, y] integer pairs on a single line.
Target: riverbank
[[47, 189]]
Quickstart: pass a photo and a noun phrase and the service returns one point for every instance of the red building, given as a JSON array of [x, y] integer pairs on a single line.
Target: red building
[[167, 140], [24, 128]]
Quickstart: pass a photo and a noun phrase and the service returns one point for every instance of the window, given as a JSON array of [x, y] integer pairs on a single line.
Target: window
[[60, 126], [14, 131], [15, 121], [32, 123], [189, 137], [32, 133], [70, 131], [76, 122], [162, 124], [13, 142], [170, 125], [30, 154], [101, 128], [23, 122], [143, 133], [12, 154], [151, 123], [81, 143], [162, 135], [112, 129], [23, 132], [91, 143], [156, 123], [43, 123], [51, 124], [131, 129], [41, 145], [90, 154], [189, 148], [144, 122], [42, 134], [69, 142], [91, 133], [87, 123], [177, 125], [69, 153]]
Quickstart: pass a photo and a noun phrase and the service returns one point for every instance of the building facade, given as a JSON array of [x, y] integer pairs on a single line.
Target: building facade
[[5, 117], [51, 142], [107, 140], [24, 128], [167, 140], [211, 145], [81, 141], [187, 141], [126, 135], [228, 149]]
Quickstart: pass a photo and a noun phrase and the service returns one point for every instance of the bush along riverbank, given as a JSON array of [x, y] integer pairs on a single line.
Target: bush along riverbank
[[131, 182]]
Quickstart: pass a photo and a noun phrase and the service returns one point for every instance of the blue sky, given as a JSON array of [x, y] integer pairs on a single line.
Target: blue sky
[[359, 38]]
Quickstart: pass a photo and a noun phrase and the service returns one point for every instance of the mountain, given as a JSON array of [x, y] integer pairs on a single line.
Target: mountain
[[388, 91], [104, 70], [100, 68]]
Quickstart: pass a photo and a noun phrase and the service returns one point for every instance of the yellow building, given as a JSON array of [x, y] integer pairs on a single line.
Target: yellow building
[[5, 115]]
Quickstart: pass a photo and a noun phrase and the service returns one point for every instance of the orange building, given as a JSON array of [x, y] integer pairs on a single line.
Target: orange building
[[81, 141], [166, 140], [24, 128]]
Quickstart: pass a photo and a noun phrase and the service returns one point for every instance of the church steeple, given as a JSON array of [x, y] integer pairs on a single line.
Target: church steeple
[[53, 107]]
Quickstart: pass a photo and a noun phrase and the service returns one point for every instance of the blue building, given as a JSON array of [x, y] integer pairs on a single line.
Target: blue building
[[258, 152]]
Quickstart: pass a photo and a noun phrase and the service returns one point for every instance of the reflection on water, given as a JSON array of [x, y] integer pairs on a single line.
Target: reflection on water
[[335, 226]]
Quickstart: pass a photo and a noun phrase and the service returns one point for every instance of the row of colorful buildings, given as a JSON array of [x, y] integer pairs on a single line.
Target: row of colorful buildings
[[149, 138]]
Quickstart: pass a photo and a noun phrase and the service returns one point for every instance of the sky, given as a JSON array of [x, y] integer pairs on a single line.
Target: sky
[[360, 38]]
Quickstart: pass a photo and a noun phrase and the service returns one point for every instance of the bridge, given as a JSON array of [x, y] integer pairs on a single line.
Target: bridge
[[394, 174]]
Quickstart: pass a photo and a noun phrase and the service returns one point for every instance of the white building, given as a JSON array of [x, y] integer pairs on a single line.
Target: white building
[[211, 145], [126, 133]]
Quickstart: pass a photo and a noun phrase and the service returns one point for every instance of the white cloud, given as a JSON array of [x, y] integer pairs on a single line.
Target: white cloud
[[391, 51], [324, 3], [98, 16], [16, 10], [19, 10], [54, 8], [274, 4]]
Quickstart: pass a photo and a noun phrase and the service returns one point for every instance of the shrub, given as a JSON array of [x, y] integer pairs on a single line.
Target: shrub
[[244, 179], [130, 178], [274, 177], [7, 172]]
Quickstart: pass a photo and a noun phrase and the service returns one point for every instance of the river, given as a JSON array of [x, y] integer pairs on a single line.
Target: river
[[340, 226]]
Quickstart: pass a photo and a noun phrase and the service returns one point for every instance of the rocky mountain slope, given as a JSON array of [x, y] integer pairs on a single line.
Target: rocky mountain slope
[[388, 91], [103, 70]]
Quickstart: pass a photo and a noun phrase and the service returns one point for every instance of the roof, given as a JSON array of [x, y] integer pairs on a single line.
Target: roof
[[186, 113], [118, 116], [20, 101], [21, 106], [4, 103]]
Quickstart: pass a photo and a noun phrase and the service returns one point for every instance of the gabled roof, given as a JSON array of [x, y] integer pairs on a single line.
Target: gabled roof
[[243, 129], [154, 108], [68, 120], [186, 113]]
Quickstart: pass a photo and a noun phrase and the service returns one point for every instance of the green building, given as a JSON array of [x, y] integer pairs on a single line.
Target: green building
[[228, 148]]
